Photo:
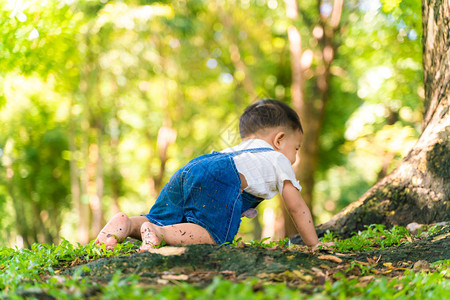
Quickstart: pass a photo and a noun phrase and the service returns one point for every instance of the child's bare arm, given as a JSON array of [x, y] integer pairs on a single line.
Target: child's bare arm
[[300, 213]]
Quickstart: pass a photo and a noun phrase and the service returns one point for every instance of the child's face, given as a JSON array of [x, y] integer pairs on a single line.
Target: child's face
[[290, 144]]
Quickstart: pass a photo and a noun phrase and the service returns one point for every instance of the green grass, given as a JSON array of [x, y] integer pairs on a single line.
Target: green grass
[[31, 273], [19, 267], [411, 285], [374, 237], [262, 243]]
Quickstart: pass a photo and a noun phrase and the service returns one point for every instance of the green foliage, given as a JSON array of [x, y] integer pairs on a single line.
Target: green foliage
[[375, 236], [260, 243], [123, 288], [374, 120], [364, 269], [20, 267], [431, 230], [218, 289], [389, 5], [80, 78], [36, 273], [410, 285]]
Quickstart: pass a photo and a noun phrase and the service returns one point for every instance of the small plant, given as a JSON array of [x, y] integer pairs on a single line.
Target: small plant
[[235, 242], [432, 230], [259, 243], [363, 270], [121, 288], [375, 236], [270, 244], [162, 244]]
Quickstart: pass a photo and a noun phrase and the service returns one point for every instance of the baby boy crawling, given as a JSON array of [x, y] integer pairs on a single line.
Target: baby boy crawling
[[203, 201]]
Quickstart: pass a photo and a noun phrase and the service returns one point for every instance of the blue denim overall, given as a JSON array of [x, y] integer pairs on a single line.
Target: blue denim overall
[[207, 192]]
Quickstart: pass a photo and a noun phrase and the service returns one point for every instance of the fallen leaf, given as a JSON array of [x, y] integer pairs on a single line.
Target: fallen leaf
[[361, 284], [344, 254], [440, 237], [388, 265], [330, 258], [367, 278], [175, 277], [168, 251], [301, 275], [263, 275], [320, 275], [162, 281], [363, 263], [181, 270], [75, 262], [374, 260], [317, 271], [227, 272]]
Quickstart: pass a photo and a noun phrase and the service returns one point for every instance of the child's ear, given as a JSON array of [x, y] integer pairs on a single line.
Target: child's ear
[[278, 139]]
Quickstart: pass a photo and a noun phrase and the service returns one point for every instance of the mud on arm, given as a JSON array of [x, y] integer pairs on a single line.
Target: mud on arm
[[300, 213]]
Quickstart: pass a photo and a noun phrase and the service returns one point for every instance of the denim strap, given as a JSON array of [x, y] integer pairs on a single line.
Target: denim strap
[[253, 150]]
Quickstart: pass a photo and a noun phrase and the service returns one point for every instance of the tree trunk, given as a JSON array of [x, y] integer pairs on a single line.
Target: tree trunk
[[310, 109], [98, 182], [20, 217], [115, 175], [297, 96], [418, 190], [75, 187]]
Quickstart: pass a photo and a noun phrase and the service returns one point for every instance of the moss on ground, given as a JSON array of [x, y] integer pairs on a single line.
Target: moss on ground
[[199, 264]]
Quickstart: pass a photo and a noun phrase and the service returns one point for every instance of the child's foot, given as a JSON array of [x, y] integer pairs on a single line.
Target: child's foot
[[115, 231], [149, 238]]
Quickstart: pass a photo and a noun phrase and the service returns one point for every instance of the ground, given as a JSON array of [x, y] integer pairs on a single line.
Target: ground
[[295, 266]]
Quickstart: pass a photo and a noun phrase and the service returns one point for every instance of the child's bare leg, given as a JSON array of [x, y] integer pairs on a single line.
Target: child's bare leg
[[184, 233], [119, 228]]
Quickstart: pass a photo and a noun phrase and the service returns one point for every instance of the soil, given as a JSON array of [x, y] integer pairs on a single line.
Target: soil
[[199, 264]]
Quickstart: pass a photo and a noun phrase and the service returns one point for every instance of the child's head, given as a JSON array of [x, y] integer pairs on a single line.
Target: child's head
[[274, 122], [268, 113]]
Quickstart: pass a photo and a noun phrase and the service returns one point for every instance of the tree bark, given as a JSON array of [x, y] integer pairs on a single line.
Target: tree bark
[[20, 217], [297, 98], [75, 187], [310, 109], [418, 190]]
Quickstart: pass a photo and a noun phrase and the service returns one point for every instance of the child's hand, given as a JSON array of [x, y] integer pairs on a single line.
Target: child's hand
[[322, 246]]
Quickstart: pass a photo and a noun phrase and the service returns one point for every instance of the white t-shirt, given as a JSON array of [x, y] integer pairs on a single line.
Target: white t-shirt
[[264, 171]]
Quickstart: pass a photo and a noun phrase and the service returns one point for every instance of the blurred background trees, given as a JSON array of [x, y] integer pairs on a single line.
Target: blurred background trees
[[101, 101]]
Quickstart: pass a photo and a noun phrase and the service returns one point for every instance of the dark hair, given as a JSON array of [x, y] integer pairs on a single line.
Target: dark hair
[[268, 113]]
